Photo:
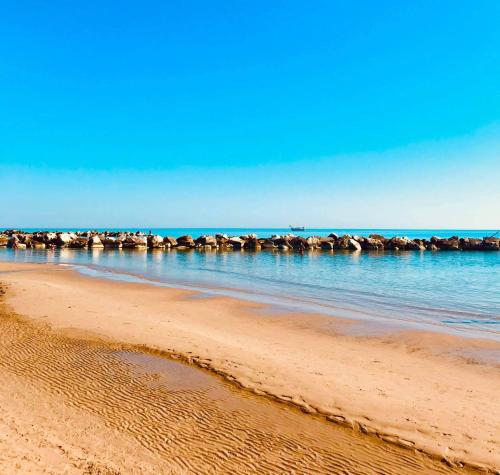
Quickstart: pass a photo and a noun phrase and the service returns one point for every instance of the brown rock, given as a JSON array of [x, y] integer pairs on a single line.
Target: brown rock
[[169, 240], [95, 243], [155, 241]]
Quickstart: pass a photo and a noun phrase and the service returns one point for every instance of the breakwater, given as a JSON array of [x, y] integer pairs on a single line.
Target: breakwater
[[18, 239]]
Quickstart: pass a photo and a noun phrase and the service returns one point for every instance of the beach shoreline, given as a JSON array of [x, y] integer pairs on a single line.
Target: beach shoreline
[[399, 388]]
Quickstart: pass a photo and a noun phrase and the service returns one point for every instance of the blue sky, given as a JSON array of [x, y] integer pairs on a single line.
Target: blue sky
[[328, 114]]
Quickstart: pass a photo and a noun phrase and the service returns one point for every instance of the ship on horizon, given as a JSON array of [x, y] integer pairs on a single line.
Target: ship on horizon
[[297, 228]]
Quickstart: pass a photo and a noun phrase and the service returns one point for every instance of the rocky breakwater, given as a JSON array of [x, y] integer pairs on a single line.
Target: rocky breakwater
[[251, 242]]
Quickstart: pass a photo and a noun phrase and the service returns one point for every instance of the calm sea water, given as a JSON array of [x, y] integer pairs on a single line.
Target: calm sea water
[[456, 292]]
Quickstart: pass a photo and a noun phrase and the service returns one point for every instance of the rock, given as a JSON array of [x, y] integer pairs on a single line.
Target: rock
[[268, 244], [451, 244], [95, 243], [298, 243], [372, 244], [378, 237], [354, 245], [343, 242], [186, 241], [135, 242], [398, 242], [327, 245], [64, 239], [253, 244], [169, 240], [312, 242], [207, 241], [221, 239], [471, 244], [420, 245], [491, 244], [50, 238], [79, 243], [115, 239], [110, 241], [19, 245], [25, 238], [13, 240], [155, 241], [414, 246], [236, 242]]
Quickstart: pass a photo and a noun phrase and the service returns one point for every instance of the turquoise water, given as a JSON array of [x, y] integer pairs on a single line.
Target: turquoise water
[[456, 292]]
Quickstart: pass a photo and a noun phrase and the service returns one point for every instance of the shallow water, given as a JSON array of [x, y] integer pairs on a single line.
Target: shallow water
[[456, 292]]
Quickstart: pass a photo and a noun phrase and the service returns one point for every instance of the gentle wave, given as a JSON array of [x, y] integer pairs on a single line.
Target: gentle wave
[[454, 292]]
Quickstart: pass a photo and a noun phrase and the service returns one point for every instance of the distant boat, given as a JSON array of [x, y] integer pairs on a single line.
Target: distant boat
[[297, 228]]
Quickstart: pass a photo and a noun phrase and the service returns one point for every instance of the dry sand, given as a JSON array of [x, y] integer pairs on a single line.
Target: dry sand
[[410, 389]]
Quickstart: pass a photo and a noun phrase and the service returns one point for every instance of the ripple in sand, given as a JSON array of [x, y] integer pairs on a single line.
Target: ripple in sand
[[196, 421]]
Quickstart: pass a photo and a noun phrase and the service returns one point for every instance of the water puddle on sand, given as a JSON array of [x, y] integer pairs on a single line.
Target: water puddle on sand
[[196, 421]]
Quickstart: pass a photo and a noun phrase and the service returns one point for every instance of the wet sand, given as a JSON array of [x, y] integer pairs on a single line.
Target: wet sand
[[82, 405], [181, 418]]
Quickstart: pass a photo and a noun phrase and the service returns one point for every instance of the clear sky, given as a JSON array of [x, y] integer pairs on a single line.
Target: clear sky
[[324, 113]]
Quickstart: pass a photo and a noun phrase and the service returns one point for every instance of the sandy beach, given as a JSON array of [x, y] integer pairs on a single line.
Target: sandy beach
[[395, 394]]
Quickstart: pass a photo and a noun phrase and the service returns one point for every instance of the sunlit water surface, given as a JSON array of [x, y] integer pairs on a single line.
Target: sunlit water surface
[[456, 292]]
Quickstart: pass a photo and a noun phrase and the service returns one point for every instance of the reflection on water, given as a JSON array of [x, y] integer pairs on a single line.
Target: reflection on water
[[454, 291]]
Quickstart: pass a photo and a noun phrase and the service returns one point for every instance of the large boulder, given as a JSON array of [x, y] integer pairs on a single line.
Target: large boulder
[[354, 245], [81, 242], [313, 242], [64, 239], [327, 245], [207, 241], [221, 238], [343, 242], [186, 241], [268, 244], [471, 244], [169, 241], [4, 239], [13, 240], [95, 242], [253, 244], [378, 237], [450, 244], [111, 241], [135, 242], [491, 244], [155, 241], [415, 245], [298, 243], [236, 242], [372, 244]]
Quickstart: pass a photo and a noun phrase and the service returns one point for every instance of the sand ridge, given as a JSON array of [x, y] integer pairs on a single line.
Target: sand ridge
[[442, 405], [81, 405]]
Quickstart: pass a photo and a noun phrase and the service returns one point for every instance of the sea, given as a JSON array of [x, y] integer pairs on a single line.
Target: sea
[[444, 291]]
